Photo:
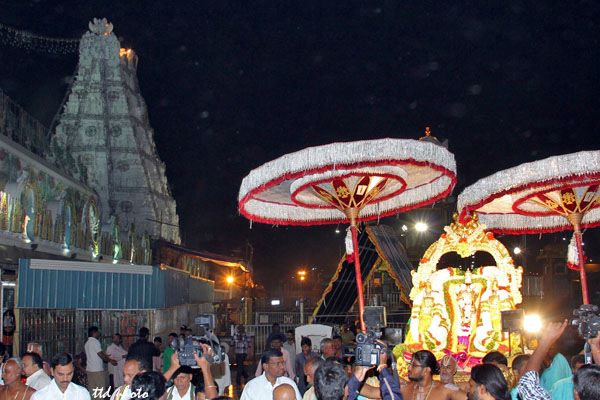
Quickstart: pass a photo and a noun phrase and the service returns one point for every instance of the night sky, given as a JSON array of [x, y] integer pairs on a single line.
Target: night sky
[[231, 85]]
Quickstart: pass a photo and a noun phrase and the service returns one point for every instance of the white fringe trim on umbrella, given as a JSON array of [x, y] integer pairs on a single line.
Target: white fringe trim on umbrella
[[497, 213], [421, 162]]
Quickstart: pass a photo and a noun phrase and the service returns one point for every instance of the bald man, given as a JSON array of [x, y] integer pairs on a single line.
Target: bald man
[[13, 387], [448, 368], [284, 392]]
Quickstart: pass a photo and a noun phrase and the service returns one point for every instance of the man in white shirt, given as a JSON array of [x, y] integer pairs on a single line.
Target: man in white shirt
[[96, 374], [327, 348], [262, 386], [61, 387], [288, 368], [182, 388], [290, 346], [118, 353], [33, 366], [134, 365]]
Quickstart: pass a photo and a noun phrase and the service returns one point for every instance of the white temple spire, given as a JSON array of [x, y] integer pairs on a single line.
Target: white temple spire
[[104, 135]]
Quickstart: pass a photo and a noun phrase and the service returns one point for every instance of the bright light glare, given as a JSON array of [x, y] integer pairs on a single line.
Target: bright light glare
[[275, 302], [532, 323], [421, 226], [517, 250], [230, 279]]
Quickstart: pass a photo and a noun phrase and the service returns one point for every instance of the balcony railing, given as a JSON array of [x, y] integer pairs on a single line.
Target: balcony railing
[[22, 128]]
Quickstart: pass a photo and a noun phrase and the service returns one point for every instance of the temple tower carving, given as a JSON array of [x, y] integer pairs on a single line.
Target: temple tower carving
[[105, 137]]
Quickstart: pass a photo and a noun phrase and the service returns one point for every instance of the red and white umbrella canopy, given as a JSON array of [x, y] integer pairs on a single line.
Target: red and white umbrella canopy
[[549, 195], [348, 182], [539, 196], [379, 177]]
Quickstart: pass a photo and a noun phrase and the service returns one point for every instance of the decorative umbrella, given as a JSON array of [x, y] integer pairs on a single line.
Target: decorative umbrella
[[348, 182], [549, 195]]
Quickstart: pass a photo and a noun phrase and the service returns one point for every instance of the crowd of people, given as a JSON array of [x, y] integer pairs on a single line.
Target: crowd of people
[[146, 370], [329, 375]]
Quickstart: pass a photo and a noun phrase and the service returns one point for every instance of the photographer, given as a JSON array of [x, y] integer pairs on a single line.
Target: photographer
[[210, 388], [595, 346], [389, 385], [586, 380]]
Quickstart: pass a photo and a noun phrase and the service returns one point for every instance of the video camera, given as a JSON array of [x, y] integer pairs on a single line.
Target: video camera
[[587, 321], [191, 346], [368, 348]]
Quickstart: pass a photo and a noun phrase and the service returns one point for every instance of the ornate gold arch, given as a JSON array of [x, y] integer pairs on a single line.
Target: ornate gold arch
[[466, 240]]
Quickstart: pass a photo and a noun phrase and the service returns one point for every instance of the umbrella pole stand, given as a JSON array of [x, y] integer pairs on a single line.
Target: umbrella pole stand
[[575, 219], [352, 214]]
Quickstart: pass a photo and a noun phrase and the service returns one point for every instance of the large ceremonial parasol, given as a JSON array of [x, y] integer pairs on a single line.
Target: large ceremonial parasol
[[550, 195], [348, 182]]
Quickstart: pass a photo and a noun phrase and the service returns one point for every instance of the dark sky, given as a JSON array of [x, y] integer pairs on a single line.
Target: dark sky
[[231, 85]]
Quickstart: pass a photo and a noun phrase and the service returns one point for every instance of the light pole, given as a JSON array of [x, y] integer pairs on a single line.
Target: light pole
[[230, 279], [302, 276]]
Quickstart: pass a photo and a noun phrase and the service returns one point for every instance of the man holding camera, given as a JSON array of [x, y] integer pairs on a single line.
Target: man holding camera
[[389, 385], [182, 377]]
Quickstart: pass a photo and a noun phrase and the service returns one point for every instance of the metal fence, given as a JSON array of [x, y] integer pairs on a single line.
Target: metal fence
[[260, 333], [66, 330], [261, 330], [271, 317]]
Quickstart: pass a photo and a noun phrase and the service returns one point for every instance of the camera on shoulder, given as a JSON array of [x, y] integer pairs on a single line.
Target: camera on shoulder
[[192, 345], [368, 348], [587, 321]]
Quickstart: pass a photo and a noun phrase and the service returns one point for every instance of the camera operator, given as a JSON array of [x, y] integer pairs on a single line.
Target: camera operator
[[595, 346], [210, 388], [586, 381], [389, 385]]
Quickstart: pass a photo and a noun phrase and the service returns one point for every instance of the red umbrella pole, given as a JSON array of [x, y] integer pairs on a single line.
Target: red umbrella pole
[[358, 272], [582, 274], [352, 214], [575, 219]]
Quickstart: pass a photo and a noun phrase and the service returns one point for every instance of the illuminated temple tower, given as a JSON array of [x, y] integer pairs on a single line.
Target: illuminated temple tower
[[105, 137]]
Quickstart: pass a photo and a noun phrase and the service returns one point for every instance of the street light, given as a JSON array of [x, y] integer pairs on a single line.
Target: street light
[[302, 276], [230, 279], [517, 250], [421, 227]]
